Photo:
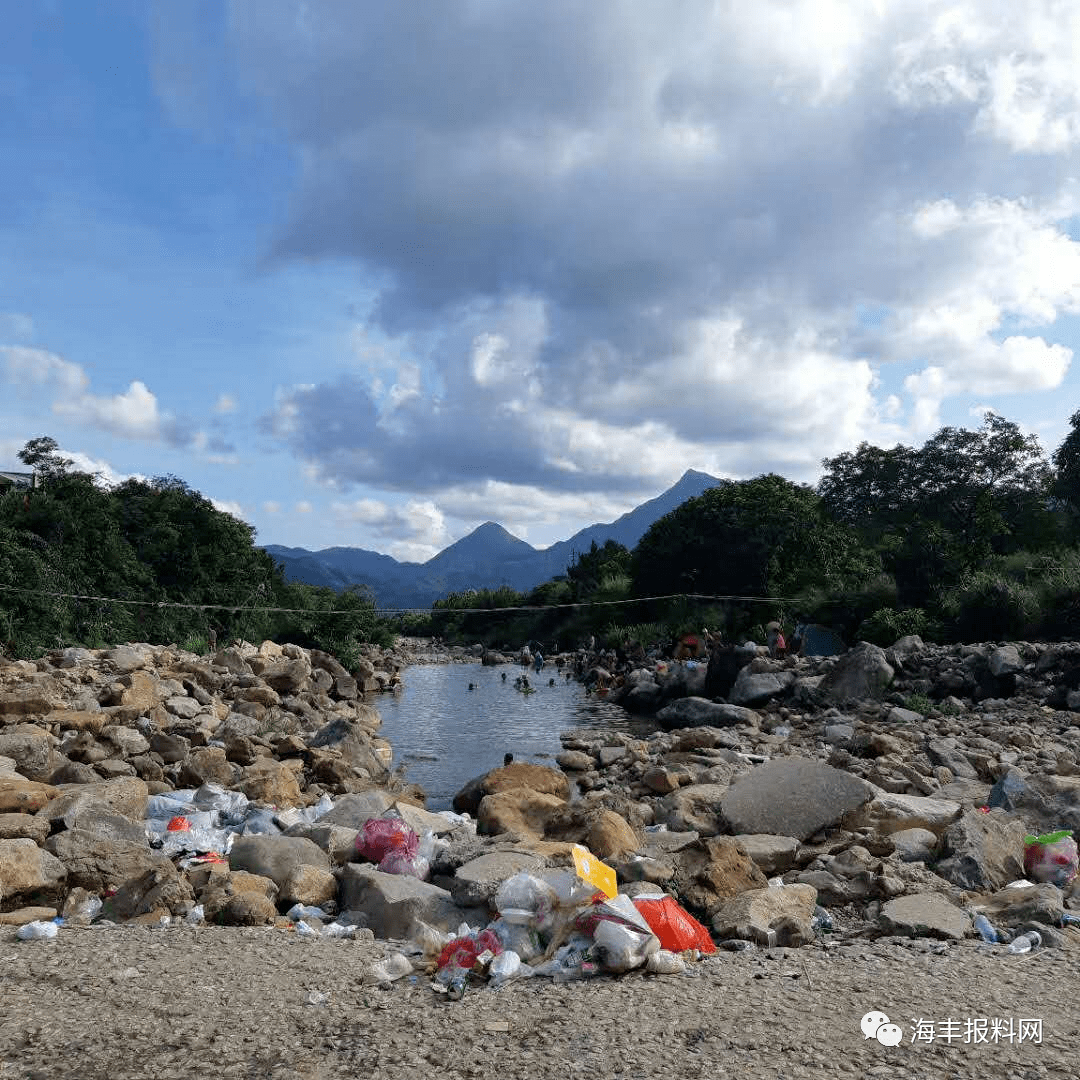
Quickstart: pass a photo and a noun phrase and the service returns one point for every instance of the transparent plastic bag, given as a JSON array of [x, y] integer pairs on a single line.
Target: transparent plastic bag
[[526, 901], [300, 912], [620, 947], [231, 805], [1051, 857], [519, 938], [391, 969], [397, 862]]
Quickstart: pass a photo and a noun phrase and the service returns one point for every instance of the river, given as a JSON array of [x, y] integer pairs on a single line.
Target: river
[[445, 733]]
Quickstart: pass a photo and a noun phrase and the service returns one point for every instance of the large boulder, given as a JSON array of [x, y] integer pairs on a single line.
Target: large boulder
[[889, 813], [692, 712], [276, 857], [1044, 803], [354, 809], [710, 871], [521, 812], [518, 774], [352, 739], [925, 915], [755, 688], [33, 750], [983, 852], [22, 796], [160, 890], [392, 904], [271, 782], [771, 854], [774, 915], [605, 833], [792, 797], [125, 795], [693, 809], [474, 883], [1042, 903], [25, 868], [97, 864], [860, 673]]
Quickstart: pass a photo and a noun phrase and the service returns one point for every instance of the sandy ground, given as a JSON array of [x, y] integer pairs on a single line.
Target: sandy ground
[[128, 1002]]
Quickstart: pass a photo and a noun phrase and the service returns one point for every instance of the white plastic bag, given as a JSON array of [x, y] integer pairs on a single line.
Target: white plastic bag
[[38, 930], [305, 911], [391, 969], [506, 967], [527, 901], [663, 962], [619, 947]]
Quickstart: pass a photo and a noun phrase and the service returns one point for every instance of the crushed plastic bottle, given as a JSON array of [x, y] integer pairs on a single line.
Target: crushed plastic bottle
[[196, 916], [986, 929], [1024, 943], [391, 969], [822, 922], [1069, 919]]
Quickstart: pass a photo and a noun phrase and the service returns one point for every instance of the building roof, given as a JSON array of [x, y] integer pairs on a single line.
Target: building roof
[[18, 479]]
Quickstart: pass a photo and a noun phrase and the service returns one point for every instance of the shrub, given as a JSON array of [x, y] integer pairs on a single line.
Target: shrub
[[887, 624], [987, 606]]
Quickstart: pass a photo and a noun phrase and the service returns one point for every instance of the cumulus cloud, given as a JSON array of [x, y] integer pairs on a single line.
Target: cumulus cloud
[[14, 324], [132, 414], [609, 242], [417, 529], [225, 403]]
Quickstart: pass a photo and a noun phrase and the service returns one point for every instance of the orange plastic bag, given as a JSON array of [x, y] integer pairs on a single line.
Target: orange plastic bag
[[179, 824], [676, 928]]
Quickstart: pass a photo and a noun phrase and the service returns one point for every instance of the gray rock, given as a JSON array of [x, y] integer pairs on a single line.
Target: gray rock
[[945, 752], [187, 708], [983, 851], [125, 658], [32, 749], [752, 688], [698, 711], [610, 755], [171, 748], [392, 904], [23, 827], [338, 841], [925, 915], [477, 881], [354, 809], [96, 863], [839, 734], [773, 916], [1029, 903], [772, 854], [792, 797], [575, 761], [898, 715], [353, 741], [889, 813], [914, 845], [1044, 803], [26, 868], [861, 672], [1005, 660], [276, 857], [693, 809], [98, 819], [129, 742]]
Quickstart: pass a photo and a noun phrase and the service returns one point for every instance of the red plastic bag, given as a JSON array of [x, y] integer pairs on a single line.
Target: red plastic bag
[[676, 928], [179, 824], [382, 836], [462, 953]]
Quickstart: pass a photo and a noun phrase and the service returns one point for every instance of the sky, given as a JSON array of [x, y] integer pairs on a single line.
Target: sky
[[370, 274]]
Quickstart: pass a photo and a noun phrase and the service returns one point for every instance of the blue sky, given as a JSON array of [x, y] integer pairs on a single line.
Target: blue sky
[[371, 274]]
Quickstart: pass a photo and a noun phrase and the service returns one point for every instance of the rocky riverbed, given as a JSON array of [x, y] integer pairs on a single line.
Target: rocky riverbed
[[840, 820]]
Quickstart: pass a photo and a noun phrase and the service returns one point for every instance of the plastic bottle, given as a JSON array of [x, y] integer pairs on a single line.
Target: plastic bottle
[[38, 930], [1069, 919], [986, 929], [822, 922], [1024, 943]]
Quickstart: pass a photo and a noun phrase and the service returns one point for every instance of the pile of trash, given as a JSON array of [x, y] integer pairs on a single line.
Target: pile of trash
[[564, 924]]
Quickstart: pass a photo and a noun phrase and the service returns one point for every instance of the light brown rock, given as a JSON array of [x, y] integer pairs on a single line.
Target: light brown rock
[[26, 868], [521, 811], [770, 916], [24, 796]]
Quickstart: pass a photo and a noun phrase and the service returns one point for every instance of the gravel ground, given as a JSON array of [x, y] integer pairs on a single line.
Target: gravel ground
[[131, 1002]]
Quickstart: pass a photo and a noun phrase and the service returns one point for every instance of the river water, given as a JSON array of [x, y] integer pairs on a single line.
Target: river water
[[445, 733]]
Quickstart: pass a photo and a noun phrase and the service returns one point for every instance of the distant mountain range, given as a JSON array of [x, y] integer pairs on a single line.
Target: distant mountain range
[[488, 557]]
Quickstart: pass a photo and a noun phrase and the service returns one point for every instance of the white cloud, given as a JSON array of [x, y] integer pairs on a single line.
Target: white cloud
[[271, 506], [227, 506], [303, 507], [225, 403], [17, 325]]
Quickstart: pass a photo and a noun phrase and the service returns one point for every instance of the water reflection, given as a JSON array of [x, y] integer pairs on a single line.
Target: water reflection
[[446, 733]]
